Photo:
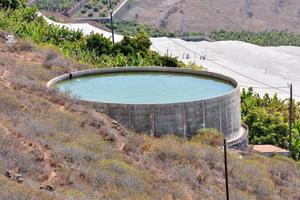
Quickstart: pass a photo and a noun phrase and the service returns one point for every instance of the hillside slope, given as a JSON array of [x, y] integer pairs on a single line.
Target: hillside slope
[[57, 148], [208, 15]]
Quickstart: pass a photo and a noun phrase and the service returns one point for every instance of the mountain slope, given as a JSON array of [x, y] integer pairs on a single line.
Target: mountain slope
[[208, 15]]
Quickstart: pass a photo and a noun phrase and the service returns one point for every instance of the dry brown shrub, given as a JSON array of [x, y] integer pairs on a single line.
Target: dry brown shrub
[[252, 176], [24, 45], [209, 136]]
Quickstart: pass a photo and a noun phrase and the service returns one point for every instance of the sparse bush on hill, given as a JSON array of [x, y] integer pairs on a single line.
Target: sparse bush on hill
[[24, 45], [252, 176], [132, 27], [57, 5], [209, 136], [266, 38]]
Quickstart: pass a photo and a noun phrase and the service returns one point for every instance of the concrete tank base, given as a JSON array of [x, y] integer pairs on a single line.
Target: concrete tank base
[[183, 118]]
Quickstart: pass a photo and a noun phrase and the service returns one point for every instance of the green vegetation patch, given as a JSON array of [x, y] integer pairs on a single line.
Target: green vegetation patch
[[131, 27], [265, 38], [268, 118], [55, 4], [131, 51], [96, 9]]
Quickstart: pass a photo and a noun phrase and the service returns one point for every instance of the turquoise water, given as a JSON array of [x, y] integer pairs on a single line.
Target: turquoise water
[[144, 88]]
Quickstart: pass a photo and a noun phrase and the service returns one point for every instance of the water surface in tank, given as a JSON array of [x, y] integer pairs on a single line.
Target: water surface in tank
[[144, 87]]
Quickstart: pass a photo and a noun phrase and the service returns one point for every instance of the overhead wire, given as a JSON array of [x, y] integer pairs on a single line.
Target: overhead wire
[[259, 87]]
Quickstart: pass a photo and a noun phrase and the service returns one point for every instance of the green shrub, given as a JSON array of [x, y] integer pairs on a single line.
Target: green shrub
[[104, 2], [209, 136], [99, 44], [102, 14], [96, 9], [88, 6]]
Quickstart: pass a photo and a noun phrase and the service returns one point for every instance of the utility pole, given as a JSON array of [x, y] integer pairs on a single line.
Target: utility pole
[[226, 172], [111, 21], [291, 117]]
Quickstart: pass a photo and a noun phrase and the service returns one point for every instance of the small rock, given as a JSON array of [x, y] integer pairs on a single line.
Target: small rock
[[20, 180], [47, 187], [114, 122], [18, 176], [8, 174]]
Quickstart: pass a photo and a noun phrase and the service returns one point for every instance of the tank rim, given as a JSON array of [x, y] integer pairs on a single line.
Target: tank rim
[[88, 72]]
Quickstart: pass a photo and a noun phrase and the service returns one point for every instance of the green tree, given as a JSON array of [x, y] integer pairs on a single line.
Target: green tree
[[126, 46], [99, 44], [266, 128], [296, 141], [267, 118], [140, 43], [296, 146]]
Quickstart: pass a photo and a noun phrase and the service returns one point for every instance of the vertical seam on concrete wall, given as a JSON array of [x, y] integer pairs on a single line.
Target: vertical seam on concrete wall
[[220, 112], [152, 123], [129, 118], [232, 118], [183, 120], [203, 113]]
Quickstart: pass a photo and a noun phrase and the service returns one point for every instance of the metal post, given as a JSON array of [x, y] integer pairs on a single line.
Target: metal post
[[226, 172], [111, 21], [291, 118]]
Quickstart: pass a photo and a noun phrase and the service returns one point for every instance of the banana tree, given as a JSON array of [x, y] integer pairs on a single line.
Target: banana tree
[[296, 147]]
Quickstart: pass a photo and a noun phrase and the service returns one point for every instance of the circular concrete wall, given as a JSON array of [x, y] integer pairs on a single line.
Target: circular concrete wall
[[184, 118]]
